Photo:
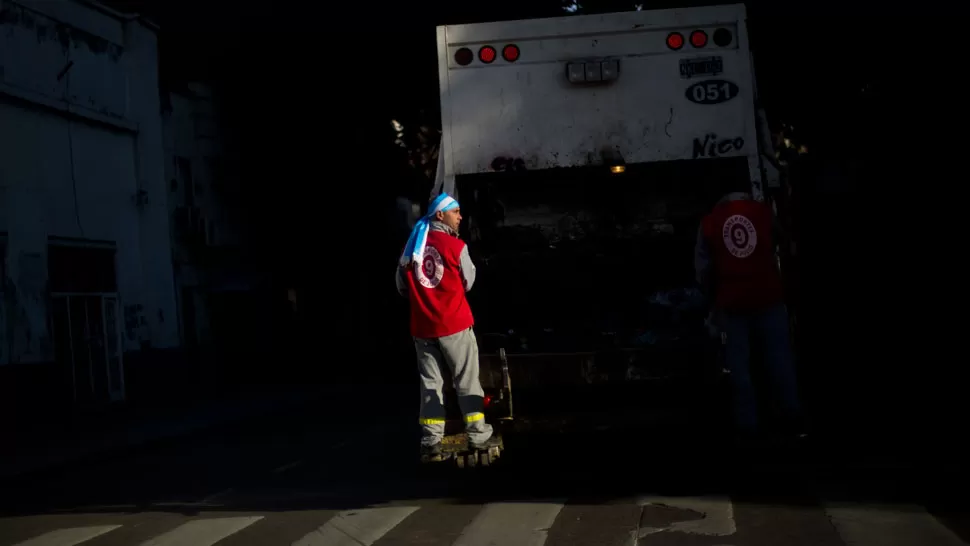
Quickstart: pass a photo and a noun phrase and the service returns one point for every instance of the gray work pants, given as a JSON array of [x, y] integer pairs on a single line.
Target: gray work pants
[[460, 352]]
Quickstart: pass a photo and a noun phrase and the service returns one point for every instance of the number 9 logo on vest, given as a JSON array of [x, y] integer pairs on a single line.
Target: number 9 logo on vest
[[739, 236], [431, 269]]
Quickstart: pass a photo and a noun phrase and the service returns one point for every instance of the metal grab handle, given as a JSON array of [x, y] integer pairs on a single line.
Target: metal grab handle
[[506, 377]]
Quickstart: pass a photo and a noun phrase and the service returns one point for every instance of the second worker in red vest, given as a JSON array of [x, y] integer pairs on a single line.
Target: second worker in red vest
[[434, 273], [736, 268]]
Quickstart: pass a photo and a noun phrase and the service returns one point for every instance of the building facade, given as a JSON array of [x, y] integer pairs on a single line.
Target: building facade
[[85, 229]]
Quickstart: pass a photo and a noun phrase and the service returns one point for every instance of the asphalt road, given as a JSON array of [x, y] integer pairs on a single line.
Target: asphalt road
[[297, 479]]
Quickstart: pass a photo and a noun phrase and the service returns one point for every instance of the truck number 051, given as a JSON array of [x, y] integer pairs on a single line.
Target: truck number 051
[[712, 92]]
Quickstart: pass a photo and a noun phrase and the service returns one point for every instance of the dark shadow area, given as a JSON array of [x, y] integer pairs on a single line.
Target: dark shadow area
[[878, 298], [371, 459], [575, 258]]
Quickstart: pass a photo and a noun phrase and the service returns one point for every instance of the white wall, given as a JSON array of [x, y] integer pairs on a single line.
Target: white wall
[[95, 133]]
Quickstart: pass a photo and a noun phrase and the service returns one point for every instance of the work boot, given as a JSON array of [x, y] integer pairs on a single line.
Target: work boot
[[432, 452], [492, 441]]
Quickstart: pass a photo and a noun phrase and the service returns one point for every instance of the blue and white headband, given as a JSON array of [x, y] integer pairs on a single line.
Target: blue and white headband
[[414, 250]]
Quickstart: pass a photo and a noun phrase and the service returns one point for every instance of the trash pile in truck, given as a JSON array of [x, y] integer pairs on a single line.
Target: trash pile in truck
[[571, 290], [672, 316]]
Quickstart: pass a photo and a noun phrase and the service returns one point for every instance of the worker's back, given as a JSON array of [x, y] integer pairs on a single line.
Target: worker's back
[[739, 234], [438, 304]]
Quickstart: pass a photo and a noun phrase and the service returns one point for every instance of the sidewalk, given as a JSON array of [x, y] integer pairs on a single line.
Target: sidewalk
[[73, 438]]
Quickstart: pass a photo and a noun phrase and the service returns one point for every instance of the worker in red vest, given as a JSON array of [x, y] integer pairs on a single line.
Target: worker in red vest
[[736, 268], [434, 273]]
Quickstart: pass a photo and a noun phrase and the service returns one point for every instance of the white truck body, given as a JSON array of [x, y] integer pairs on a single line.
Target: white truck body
[[660, 105]]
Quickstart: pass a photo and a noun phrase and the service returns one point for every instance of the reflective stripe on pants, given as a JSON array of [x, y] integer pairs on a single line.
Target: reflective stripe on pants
[[460, 353]]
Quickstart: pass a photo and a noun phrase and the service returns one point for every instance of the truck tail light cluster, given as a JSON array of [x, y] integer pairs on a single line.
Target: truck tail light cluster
[[486, 54], [698, 39]]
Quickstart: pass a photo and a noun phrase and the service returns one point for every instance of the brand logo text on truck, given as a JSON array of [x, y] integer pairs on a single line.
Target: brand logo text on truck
[[711, 146], [701, 66]]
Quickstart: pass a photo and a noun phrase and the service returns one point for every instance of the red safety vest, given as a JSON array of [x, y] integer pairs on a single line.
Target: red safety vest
[[436, 289], [740, 238]]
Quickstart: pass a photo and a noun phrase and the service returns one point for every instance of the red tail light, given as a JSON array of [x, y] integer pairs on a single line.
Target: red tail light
[[698, 38], [488, 400], [464, 56], [675, 40], [487, 54], [510, 53]]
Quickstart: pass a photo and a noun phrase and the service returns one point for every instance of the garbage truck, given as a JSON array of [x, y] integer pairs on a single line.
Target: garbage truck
[[584, 151]]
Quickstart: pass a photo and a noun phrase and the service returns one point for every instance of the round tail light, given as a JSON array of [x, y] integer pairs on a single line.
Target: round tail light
[[675, 40], [487, 54], [698, 38], [464, 56], [510, 53], [722, 37]]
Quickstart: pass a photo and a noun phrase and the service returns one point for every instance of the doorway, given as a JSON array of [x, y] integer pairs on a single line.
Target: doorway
[[86, 327]]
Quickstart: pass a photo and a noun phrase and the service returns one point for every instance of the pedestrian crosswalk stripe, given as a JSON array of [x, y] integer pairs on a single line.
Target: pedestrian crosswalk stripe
[[202, 532], [68, 537], [516, 524], [361, 527], [511, 524]]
